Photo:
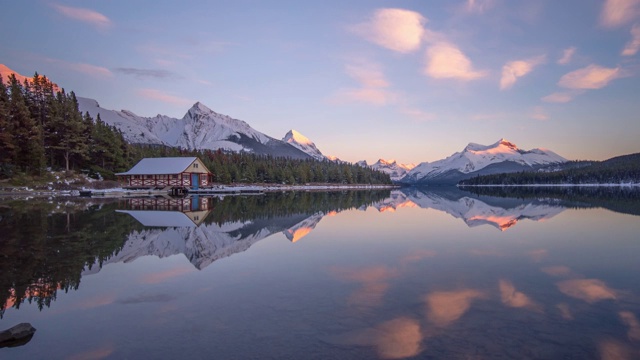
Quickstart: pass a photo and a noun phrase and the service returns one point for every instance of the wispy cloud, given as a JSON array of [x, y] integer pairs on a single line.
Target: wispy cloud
[[372, 85], [88, 69], [633, 45], [372, 96], [539, 114], [367, 74], [395, 29], [619, 12], [418, 115], [513, 70], [560, 97], [590, 77], [478, 6], [85, 15], [92, 69], [154, 94], [446, 61], [145, 73], [567, 55]]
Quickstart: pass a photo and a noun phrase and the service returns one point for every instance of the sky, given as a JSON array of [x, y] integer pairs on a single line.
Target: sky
[[365, 79]]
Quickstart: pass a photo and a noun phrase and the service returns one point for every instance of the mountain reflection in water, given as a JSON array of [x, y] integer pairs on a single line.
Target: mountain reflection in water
[[364, 283]]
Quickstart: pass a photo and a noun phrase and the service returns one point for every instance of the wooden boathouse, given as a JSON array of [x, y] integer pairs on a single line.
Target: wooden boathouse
[[167, 173]]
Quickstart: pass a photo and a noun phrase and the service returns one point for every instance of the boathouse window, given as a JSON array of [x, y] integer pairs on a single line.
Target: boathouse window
[[149, 176], [174, 176], [195, 166], [136, 176]]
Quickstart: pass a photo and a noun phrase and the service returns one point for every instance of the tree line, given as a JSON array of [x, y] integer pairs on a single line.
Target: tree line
[[41, 127], [244, 167], [619, 170]]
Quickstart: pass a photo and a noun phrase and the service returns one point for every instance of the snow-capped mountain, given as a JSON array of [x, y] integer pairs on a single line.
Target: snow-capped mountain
[[303, 143], [200, 128], [475, 159], [395, 170]]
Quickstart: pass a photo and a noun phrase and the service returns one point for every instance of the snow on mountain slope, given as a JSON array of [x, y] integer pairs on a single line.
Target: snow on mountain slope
[[303, 143], [303, 228], [395, 170], [471, 210], [476, 157], [133, 127], [205, 243], [200, 128]]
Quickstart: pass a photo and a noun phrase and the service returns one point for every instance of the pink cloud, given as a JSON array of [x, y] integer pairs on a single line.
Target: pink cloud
[[513, 70], [395, 29], [91, 70], [154, 94], [567, 55], [619, 12], [367, 74], [418, 115], [447, 61], [632, 47], [590, 77], [84, 15], [559, 97], [372, 85], [373, 96]]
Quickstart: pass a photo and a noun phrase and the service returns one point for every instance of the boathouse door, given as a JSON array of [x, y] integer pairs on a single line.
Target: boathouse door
[[195, 181]]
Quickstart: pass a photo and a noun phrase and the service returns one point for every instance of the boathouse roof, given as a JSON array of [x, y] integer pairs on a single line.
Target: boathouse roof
[[160, 166]]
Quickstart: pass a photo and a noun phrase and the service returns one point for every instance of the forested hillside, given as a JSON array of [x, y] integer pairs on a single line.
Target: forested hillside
[[232, 167], [618, 170], [41, 129]]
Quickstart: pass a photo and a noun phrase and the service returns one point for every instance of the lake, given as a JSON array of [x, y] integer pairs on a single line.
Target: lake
[[540, 273]]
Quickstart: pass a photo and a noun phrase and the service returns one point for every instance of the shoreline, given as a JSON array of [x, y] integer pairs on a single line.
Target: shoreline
[[215, 190], [553, 185]]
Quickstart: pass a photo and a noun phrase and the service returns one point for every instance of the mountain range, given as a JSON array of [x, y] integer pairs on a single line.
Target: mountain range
[[395, 170], [200, 128], [475, 159]]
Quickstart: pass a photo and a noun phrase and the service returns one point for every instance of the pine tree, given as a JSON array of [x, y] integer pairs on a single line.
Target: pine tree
[[68, 131], [29, 153], [7, 145]]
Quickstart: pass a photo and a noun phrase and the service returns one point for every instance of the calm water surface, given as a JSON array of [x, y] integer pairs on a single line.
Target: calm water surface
[[411, 273]]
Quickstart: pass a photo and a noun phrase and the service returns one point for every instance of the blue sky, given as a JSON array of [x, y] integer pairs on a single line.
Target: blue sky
[[409, 80]]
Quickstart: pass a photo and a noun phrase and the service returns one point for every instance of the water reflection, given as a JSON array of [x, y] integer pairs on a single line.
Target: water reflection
[[445, 307], [501, 213], [589, 290], [48, 246], [362, 284]]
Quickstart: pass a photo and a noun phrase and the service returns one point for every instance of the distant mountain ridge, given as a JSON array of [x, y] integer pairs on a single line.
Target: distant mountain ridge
[[619, 170], [475, 159], [200, 128], [395, 170]]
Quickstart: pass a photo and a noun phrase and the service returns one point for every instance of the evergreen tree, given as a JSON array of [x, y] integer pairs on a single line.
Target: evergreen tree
[[28, 155], [7, 144]]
